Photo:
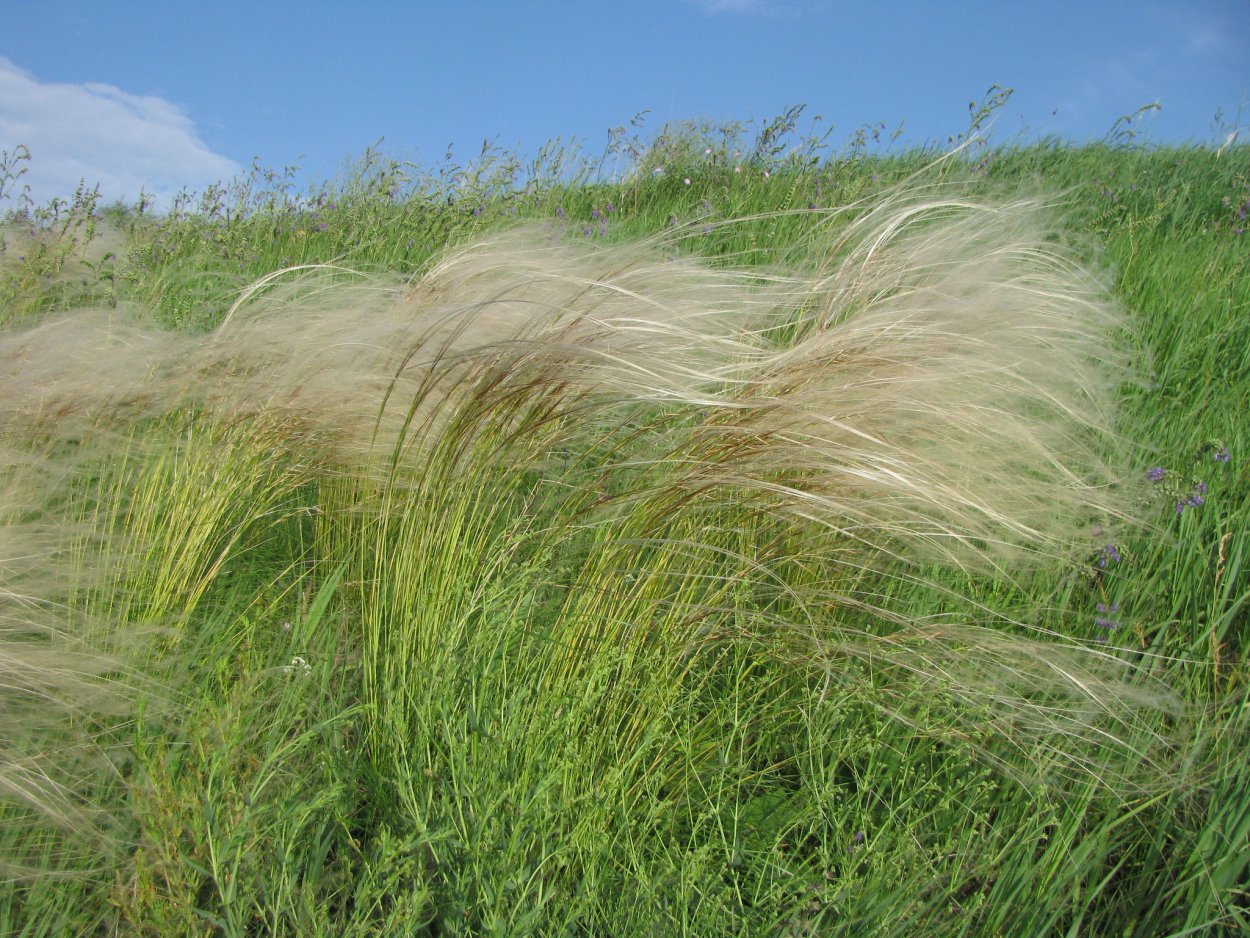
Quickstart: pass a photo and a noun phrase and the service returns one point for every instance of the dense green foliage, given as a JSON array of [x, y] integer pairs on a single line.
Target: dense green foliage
[[363, 700]]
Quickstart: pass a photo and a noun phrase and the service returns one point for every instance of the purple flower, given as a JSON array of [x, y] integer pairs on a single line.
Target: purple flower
[[1222, 454], [1109, 554], [609, 208], [477, 212], [1103, 620], [586, 231], [560, 211], [1156, 474], [1189, 501], [594, 214]]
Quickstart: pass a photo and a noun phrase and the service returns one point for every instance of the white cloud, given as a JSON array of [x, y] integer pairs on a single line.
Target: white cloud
[[729, 6], [773, 9], [123, 142]]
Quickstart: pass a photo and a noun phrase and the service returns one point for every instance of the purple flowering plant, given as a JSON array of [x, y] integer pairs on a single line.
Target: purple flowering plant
[[1108, 554], [1107, 620], [1186, 491], [1105, 611]]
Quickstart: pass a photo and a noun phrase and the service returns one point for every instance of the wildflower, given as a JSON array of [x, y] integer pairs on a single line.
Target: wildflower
[[477, 212], [1109, 554], [560, 211], [585, 231], [658, 171], [767, 174], [1222, 454], [609, 208], [1103, 620], [686, 180], [594, 214], [1156, 474], [298, 666], [1191, 501]]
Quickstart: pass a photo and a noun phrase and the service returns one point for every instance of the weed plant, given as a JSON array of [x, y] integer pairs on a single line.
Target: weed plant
[[720, 537]]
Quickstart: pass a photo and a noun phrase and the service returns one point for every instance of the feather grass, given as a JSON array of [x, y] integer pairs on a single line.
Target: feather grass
[[590, 470]]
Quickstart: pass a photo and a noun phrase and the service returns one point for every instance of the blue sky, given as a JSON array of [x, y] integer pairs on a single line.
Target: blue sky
[[171, 94]]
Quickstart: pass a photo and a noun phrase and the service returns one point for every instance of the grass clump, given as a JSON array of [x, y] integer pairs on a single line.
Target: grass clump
[[793, 567]]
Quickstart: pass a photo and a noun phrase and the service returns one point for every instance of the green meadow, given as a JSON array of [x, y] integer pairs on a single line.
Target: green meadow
[[723, 535]]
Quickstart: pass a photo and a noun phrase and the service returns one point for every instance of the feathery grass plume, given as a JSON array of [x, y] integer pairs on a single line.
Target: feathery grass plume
[[353, 353], [664, 454], [947, 397], [939, 390], [949, 387], [83, 369], [58, 686]]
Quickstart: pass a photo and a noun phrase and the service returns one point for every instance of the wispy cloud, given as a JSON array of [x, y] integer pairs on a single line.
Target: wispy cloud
[[98, 133], [773, 8], [713, 7]]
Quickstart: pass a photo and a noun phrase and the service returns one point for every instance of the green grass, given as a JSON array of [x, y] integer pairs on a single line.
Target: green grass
[[438, 588]]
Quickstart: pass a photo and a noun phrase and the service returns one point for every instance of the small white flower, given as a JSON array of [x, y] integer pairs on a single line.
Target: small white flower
[[298, 665]]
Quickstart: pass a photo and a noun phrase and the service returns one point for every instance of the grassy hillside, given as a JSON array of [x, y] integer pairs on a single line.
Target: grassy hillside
[[759, 542]]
